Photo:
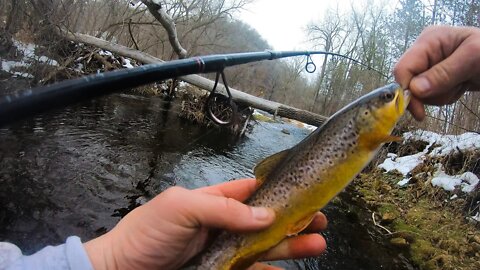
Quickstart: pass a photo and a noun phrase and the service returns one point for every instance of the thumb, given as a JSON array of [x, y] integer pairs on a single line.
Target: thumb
[[442, 79], [196, 209]]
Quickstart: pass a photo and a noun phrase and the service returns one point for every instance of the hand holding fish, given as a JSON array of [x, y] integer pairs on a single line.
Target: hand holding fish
[[173, 227], [440, 66]]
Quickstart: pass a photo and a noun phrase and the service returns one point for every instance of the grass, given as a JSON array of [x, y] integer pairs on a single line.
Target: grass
[[263, 118]]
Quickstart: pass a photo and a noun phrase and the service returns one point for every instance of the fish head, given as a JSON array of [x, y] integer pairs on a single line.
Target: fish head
[[378, 112]]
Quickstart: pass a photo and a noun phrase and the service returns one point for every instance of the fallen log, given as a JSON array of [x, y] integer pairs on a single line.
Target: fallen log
[[204, 83]]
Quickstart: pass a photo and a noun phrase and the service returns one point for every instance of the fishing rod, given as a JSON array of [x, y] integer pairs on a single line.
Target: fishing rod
[[29, 102]]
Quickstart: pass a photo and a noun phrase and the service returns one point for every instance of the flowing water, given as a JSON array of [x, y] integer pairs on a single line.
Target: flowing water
[[77, 171]]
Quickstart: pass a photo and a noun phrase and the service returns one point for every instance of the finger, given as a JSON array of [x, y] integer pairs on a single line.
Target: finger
[[413, 62], [319, 223], [443, 77], [433, 45], [263, 266], [196, 209], [239, 190], [301, 246], [417, 109]]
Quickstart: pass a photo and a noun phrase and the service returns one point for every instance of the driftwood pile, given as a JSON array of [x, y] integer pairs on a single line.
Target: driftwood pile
[[81, 59]]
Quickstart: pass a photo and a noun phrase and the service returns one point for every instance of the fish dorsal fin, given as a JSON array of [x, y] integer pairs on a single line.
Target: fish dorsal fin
[[263, 169]]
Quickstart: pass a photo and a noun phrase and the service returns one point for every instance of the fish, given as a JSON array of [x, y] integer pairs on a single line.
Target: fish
[[296, 183]]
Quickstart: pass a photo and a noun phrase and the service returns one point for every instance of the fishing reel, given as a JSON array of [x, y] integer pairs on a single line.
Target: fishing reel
[[219, 108]]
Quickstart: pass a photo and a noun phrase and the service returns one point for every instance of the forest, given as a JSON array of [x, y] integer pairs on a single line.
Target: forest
[[375, 33]]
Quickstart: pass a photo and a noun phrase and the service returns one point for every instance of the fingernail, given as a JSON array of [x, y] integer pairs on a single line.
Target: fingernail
[[422, 85], [261, 213]]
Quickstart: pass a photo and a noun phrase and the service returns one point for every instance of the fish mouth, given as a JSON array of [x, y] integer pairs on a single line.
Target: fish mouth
[[402, 99]]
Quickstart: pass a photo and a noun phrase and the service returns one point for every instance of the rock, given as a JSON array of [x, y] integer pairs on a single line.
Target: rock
[[475, 238], [399, 242], [286, 131], [388, 217], [442, 260], [385, 188], [475, 247], [449, 244], [409, 236]]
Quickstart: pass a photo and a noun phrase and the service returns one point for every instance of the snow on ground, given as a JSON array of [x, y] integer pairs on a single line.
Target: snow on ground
[[105, 53], [8, 66], [476, 217], [445, 143], [404, 181], [466, 181], [402, 164], [127, 63], [29, 57], [438, 145]]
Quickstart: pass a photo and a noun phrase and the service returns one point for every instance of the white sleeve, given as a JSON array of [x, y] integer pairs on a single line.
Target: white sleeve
[[71, 255]]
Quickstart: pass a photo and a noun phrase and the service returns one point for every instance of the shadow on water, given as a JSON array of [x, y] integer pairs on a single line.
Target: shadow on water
[[77, 171]]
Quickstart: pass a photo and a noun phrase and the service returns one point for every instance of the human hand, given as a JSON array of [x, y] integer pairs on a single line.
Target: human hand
[[440, 66], [173, 227]]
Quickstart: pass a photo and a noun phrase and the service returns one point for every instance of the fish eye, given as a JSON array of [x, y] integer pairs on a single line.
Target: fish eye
[[388, 96]]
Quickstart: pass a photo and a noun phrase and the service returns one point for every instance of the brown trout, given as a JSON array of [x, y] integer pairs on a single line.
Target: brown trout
[[299, 181]]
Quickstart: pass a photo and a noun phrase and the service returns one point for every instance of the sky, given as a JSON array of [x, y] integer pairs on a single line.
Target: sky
[[282, 23]]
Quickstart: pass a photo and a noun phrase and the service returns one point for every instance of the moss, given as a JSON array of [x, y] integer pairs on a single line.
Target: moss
[[400, 226], [435, 228], [388, 208], [422, 252], [263, 118]]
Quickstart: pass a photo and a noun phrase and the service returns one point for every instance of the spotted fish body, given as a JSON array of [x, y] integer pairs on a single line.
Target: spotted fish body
[[297, 182]]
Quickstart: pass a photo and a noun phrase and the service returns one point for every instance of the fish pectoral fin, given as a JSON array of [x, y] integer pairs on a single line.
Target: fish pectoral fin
[[390, 138], [300, 225], [263, 169]]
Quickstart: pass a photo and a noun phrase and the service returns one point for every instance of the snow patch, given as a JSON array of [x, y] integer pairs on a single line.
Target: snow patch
[[476, 217], [309, 127], [182, 84], [79, 68], [22, 74], [29, 56], [105, 53], [402, 164], [27, 49], [404, 181], [445, 144], [7, 66], [467, 181], [127, 63], [256, 112], [48, 61], [438, 145]]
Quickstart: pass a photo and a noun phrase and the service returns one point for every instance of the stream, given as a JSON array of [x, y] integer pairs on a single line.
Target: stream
[[78, 170]]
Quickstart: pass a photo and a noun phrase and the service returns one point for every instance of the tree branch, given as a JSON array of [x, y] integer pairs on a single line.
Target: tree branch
[[159, 13]]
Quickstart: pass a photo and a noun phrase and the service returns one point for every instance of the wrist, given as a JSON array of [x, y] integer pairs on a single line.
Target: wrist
[[100, 253]]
